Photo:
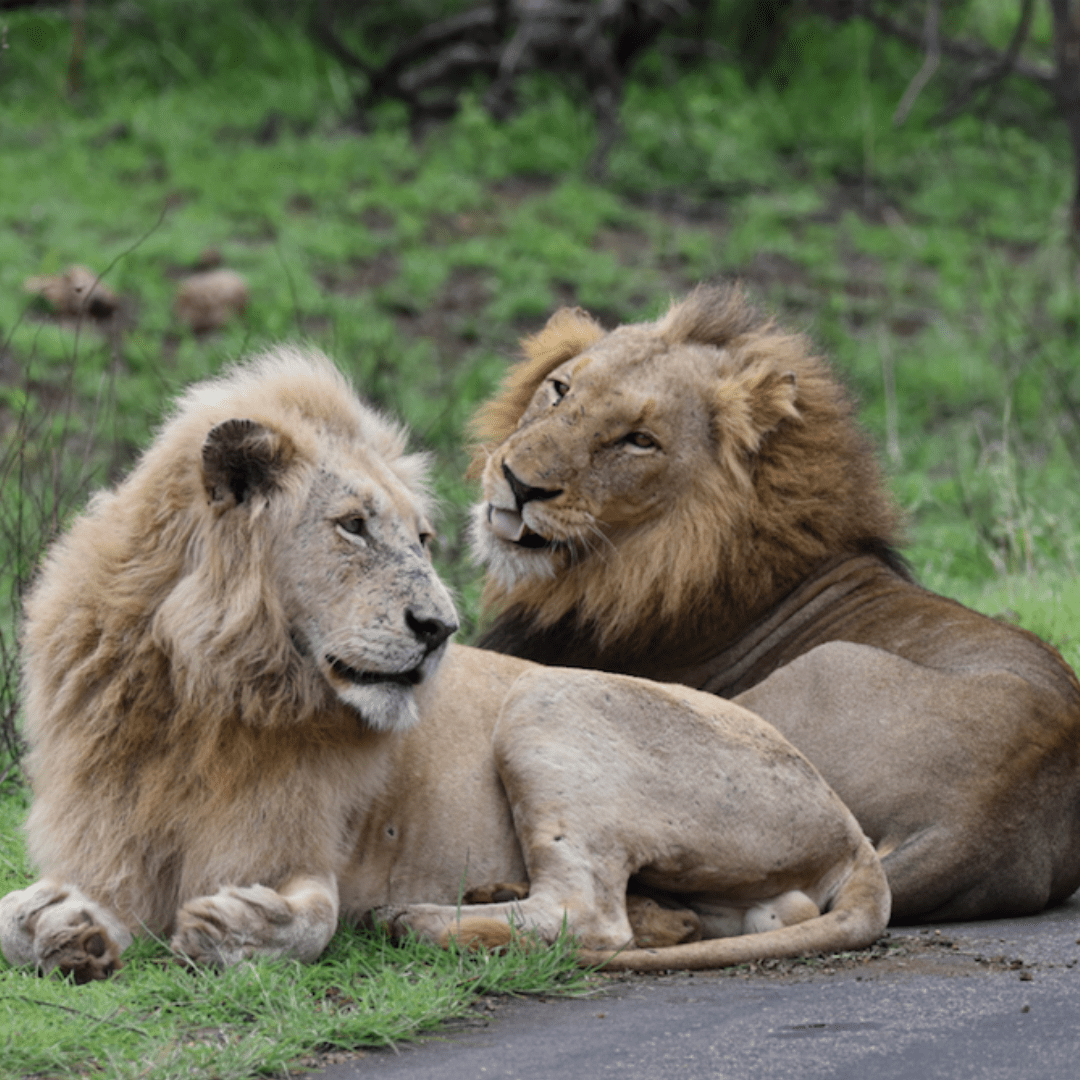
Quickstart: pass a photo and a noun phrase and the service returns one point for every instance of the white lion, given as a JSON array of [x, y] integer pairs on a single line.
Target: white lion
[[245, 721]]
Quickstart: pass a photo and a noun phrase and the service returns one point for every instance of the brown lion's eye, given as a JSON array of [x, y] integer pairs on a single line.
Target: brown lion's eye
[[641, 441]]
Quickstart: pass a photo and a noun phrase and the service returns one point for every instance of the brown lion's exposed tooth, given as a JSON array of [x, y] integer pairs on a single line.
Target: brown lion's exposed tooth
[[506, 524]]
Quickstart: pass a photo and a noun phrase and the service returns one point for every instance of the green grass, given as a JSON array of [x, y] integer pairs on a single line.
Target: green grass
[[158, 1018], [930, 262]]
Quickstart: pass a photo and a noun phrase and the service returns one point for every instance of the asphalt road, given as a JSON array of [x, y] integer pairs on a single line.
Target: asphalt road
[[982, 1000]]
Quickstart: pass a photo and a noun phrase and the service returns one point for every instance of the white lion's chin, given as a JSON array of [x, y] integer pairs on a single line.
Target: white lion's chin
[[508, 564], [391, 706], [386, 707]]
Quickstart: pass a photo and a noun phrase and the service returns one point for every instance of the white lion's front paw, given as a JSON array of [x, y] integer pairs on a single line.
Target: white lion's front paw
[[232, 925], [237, 923], [57, 927]]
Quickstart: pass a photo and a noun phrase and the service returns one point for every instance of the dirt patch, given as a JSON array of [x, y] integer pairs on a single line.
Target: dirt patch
[[923, 953], [360, 277], [453, 322]]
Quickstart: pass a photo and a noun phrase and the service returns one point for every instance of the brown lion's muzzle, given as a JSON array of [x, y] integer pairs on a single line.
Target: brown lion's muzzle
[[509, 525]]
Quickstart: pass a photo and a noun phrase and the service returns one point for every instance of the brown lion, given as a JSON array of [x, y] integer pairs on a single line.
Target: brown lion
[[690, 500], [246, 721]]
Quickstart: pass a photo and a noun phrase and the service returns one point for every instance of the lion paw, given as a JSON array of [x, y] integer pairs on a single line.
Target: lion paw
[[84, 950], [232, 925], [59, 928], [237, 923], [657, 927]]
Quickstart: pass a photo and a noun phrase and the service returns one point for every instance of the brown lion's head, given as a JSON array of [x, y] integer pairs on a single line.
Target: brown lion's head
[[695, 467]]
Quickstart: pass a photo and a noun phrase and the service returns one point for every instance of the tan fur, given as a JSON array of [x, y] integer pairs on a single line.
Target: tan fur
[[691, 500], [213, 757], [181, 700]]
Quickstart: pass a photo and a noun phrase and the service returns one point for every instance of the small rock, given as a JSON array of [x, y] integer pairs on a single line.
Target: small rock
[[209, 300], [77, 291]]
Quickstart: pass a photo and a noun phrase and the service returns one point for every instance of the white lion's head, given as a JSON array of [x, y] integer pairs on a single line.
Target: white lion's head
[[301, 525]]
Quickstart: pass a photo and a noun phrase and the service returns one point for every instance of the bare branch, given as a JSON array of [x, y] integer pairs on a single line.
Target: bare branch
[[503, 40], [993, 72], [960, 50], [930, 64], [1066, 88], [323, 29]]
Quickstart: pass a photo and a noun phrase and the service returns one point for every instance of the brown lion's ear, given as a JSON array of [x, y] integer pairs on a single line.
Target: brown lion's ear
[[711, 315], [752, 405], [568, 332], [241, 458]]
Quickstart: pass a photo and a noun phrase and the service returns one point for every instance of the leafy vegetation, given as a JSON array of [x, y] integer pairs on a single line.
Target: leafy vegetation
[[931, 262]]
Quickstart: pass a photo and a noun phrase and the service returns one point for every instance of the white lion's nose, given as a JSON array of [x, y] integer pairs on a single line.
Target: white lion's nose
[[429, 630]]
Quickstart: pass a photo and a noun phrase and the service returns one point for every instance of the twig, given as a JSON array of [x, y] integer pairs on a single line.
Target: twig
[[505, 39], [79, 1012], [958, 49], [996, 70], [930, 63], [78, 45]]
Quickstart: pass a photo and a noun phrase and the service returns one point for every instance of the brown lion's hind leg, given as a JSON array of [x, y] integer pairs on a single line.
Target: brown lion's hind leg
[[508, 915], [479, 934], [57, 927]]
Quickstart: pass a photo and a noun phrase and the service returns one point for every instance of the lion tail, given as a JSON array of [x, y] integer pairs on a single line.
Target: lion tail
[[857, 918]]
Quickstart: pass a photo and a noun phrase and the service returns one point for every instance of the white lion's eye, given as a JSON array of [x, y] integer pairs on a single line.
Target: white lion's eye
[[640, 440], [353, 526], [426, 539], [561, 389]]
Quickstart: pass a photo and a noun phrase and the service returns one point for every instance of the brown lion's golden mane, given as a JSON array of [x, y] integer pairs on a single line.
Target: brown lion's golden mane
[[790, 481]]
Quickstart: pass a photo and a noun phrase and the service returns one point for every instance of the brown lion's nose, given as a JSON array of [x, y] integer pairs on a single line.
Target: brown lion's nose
[[524, 493]]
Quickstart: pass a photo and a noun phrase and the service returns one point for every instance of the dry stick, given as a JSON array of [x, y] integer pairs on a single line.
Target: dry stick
[[930, 64], [1063, 81], [78, 44], [959, 49], [79, 1012], [995, 70]]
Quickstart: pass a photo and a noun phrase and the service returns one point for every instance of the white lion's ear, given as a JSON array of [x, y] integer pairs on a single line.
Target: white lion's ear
[[241, 458]]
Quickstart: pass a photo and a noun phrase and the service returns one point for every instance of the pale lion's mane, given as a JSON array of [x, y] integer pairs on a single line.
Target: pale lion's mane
[[152, 642]]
